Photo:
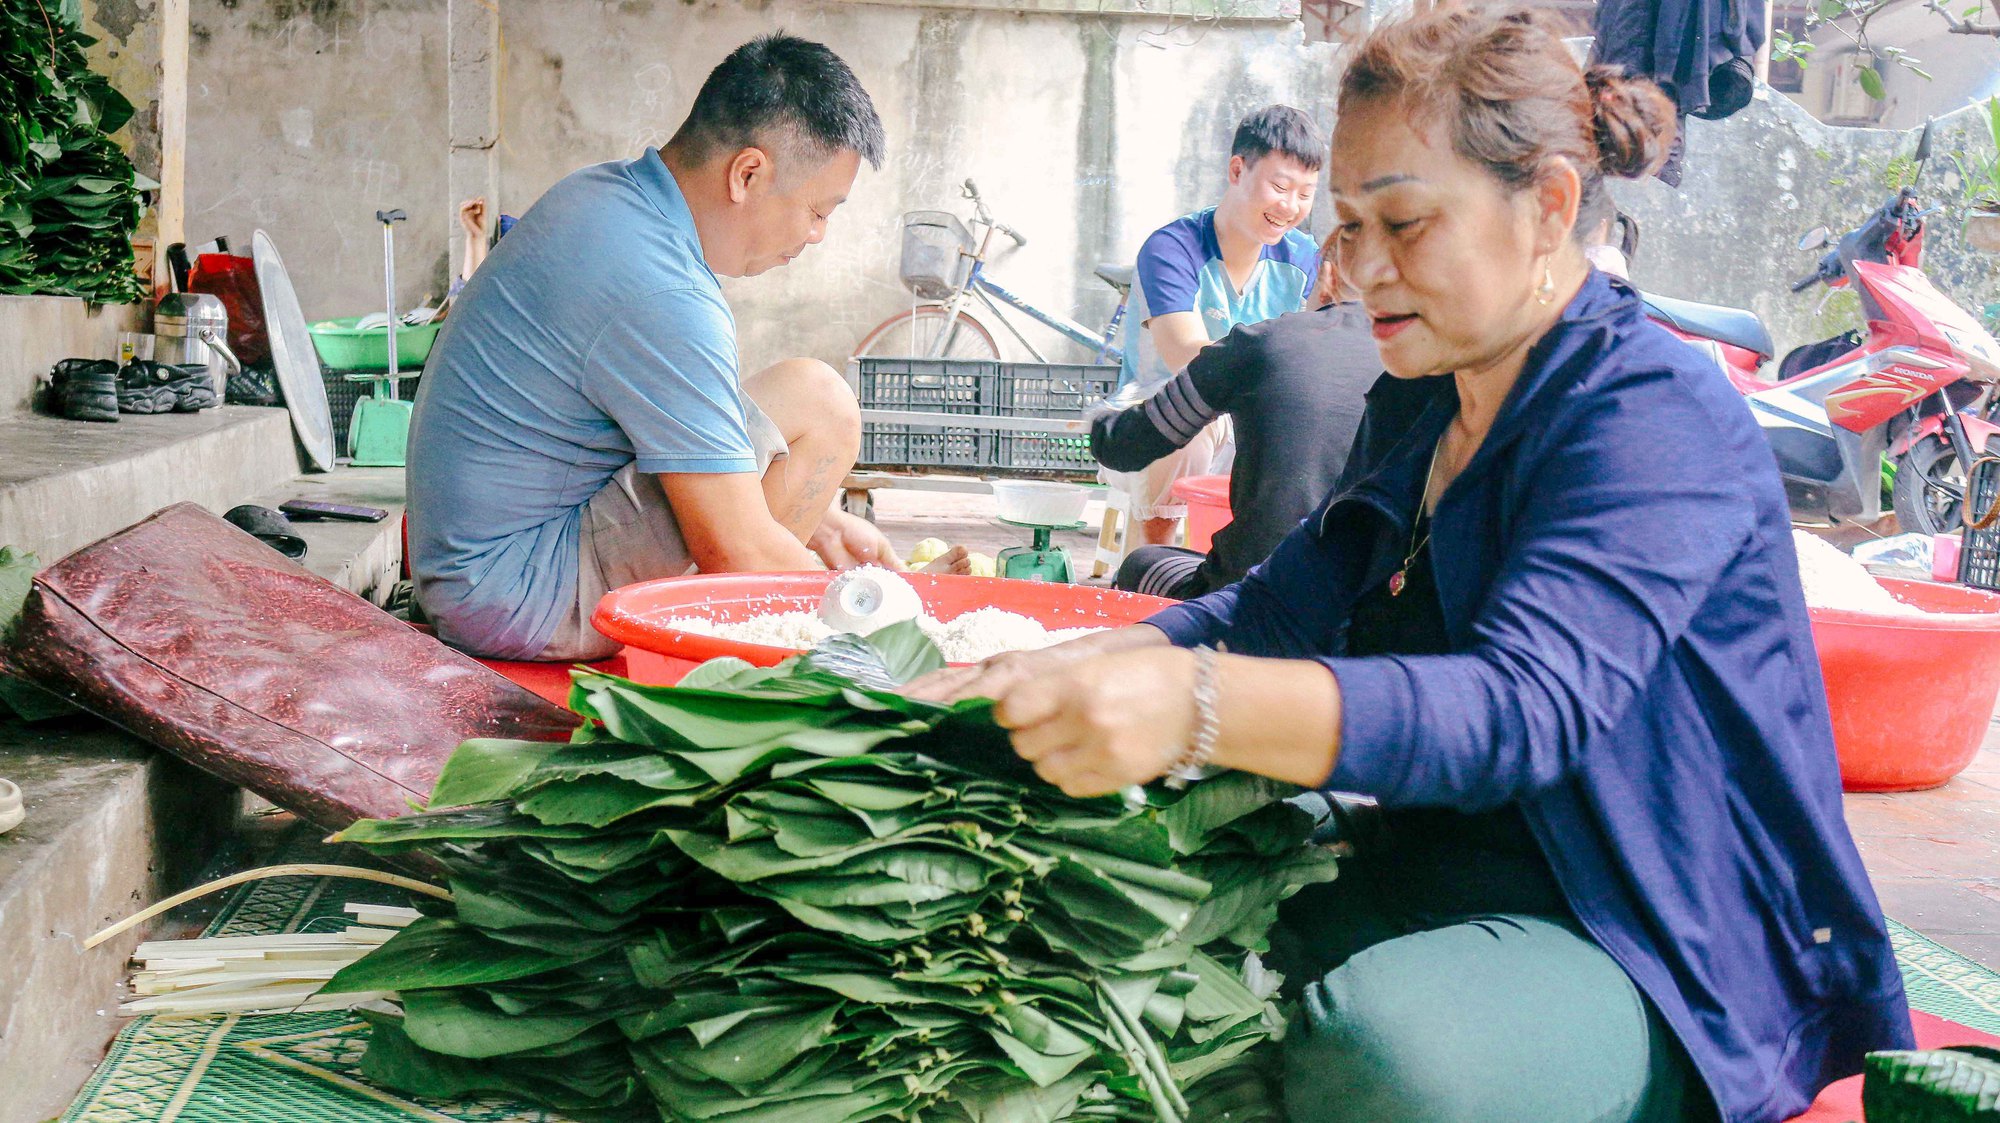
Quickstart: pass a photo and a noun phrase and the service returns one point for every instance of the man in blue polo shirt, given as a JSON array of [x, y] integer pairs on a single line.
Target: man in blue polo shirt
[[581, 424], [1241, 261]]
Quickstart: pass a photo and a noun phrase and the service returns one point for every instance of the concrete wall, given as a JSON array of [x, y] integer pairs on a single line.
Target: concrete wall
[[127, 53], [1757, 181], [1085, 133], [1962, 68], [305, 116]]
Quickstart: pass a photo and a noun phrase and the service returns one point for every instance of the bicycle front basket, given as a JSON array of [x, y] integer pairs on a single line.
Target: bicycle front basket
[[934, 247]]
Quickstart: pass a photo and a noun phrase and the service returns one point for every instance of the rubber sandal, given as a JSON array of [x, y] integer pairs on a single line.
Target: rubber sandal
[[84, 390], [143, 389], [192, 388], [270, 527]]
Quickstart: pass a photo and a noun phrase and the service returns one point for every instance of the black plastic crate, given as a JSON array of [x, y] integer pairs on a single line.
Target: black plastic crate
[[1979, 553], [980, 388], [342, 394], [934, 385], [1044, 452]]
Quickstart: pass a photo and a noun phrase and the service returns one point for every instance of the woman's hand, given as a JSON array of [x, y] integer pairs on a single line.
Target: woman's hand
[[995, 677], [1096, 726]]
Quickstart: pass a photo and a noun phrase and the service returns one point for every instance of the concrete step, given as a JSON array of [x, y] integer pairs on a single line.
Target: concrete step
[[366, 559], [111, 827], [64, 484], [37, 332], [114, 825]]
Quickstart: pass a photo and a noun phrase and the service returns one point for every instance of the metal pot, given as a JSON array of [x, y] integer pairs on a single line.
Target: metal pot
[[192, 328]]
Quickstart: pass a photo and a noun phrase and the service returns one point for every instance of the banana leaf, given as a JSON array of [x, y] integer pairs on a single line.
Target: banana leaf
[[69, 198], [1932, 1086], [792, 894]]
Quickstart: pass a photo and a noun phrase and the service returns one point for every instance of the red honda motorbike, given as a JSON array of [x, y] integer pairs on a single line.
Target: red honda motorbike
[[1917, 387]]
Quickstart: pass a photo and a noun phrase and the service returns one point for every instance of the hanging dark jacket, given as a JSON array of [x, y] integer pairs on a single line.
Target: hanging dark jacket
[[1632, 665], [1699, 51]]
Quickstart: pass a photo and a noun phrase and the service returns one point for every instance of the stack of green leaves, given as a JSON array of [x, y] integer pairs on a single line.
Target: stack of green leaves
[[69, 197], [1960, 1083], [794, 894]]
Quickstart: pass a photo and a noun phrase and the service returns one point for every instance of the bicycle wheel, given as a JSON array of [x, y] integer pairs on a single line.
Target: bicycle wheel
[[910, 334]]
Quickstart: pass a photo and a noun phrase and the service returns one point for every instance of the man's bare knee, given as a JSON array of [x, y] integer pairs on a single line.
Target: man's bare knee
[[806, 396]]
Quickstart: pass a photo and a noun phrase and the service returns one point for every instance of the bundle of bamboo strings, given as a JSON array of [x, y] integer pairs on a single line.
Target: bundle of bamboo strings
[[257, 974]]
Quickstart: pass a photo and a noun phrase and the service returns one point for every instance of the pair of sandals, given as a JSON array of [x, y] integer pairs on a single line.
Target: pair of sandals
[[99, 390], [145, 386]]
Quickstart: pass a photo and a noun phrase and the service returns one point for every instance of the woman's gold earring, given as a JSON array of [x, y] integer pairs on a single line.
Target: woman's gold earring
[[1546, 291]]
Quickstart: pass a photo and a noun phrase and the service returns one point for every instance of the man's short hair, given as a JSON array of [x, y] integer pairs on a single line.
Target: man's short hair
[[1281, 129], [780, 90]]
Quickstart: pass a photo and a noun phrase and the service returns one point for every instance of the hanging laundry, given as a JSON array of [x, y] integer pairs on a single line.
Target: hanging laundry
[[1701, 53]]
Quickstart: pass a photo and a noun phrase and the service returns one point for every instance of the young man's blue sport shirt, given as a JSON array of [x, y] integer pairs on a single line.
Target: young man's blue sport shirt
[[1180, 270]]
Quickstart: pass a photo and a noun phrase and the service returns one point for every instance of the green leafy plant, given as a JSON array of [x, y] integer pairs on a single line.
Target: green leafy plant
[[69, 198], [1980, 172], [793, 893], [1960, 1083], [1850, 19]]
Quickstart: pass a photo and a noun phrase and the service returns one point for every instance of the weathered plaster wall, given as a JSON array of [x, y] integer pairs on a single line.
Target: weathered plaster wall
[[1083, 132], [1759, 180], [305, 117], [128, 53]]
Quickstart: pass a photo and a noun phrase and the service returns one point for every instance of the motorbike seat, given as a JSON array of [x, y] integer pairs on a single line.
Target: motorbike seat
[[1737, 327], [1117, 276]]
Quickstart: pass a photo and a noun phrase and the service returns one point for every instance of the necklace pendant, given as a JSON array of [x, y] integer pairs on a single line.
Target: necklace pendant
[[1396, 582]]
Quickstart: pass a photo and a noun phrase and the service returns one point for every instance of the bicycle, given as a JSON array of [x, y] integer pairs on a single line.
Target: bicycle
[[936, 250]]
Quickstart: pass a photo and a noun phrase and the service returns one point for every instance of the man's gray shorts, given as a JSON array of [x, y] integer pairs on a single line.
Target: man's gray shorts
[[629, 534]]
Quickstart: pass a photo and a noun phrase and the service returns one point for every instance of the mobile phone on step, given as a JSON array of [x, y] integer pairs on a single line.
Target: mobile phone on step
[[315, 509]]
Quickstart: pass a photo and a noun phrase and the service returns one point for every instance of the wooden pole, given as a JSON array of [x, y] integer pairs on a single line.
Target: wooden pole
[[170, 214], [473, 118], [1762, 64]]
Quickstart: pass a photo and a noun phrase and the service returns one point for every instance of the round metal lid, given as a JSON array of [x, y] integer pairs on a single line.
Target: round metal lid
[[293, 355]]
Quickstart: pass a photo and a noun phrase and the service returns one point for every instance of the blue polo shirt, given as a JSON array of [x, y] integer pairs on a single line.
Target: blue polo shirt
[[1180, 270], [595, 335]]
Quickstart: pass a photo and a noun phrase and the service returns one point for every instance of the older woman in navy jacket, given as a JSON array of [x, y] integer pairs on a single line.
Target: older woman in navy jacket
[[1551, 618]]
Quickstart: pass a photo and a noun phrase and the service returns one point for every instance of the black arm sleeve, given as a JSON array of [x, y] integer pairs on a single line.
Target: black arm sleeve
[[1180, 409]]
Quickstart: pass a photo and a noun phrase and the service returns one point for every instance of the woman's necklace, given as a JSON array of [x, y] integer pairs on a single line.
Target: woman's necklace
[[1401, 577]]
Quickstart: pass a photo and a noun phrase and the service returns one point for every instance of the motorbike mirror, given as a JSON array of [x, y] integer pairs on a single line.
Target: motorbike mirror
[[1924, 142], [1815, 238]]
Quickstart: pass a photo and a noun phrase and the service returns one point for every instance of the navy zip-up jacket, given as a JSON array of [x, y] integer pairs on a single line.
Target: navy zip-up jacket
[[1632, 664]]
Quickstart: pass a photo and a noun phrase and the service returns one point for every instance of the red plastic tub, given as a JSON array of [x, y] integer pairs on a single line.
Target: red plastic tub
[[636, 615], [1207, 499], [1910, 696]]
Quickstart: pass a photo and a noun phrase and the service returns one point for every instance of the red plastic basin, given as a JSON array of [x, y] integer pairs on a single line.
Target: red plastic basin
[[637, 615], [1910, 695], [1207, 499]]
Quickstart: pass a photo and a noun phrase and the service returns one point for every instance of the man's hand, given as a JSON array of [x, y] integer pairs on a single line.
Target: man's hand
[[844, 541], [957, 560]]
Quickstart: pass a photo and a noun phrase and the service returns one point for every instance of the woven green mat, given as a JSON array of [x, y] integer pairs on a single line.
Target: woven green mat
[[302, 1068], [273, 1068], [1940, 981]]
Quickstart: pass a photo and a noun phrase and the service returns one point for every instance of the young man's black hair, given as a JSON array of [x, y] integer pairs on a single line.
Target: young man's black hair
[[1281, 129], [781, 90]]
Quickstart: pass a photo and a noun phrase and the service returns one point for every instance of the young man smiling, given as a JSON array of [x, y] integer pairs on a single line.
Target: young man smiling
[[582, 424], [1241, 261]]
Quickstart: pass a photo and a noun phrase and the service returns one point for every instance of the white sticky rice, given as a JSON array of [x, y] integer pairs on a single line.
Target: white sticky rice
[[979, 634], [1834, 580]]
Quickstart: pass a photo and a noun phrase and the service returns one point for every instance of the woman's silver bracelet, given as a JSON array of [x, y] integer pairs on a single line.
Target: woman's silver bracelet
[[1201, 741]]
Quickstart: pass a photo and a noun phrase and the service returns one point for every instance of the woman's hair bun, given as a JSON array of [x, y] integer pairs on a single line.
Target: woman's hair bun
[[1632, 120]]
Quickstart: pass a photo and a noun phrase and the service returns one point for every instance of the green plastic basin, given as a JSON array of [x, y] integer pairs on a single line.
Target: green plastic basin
[[343, 346]]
